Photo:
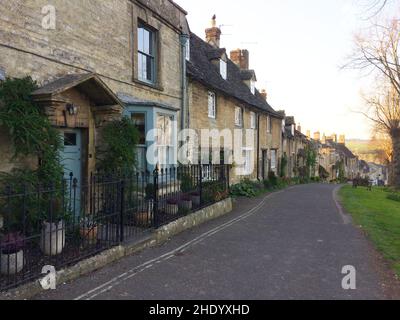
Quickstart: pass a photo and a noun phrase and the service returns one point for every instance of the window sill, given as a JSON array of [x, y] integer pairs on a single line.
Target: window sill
[[148, 84]]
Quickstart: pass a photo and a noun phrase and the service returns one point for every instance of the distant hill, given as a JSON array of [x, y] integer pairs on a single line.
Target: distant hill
[[368, 150]]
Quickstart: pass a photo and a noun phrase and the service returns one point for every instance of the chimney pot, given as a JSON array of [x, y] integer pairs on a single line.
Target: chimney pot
[[213, 34], [264, 94], [241, 58]]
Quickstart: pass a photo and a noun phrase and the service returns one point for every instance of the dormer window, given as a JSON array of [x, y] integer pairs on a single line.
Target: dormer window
[[253, 86], [223, 69]]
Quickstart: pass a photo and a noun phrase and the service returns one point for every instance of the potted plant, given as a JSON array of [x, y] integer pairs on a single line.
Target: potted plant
[[172, 206], [186, 202], [52, 241], [12, 253], [195, 197], [89, 229]]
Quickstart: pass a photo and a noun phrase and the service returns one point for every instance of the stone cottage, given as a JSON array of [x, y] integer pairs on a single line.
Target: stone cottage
[[100, 60], [222, 95]]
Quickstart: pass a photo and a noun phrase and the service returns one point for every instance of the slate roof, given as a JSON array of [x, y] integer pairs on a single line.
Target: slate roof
[[201, 69], [346, 151], [248, 74]]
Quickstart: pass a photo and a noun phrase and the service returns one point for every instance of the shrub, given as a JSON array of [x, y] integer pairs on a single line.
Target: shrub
[[246, 188], [394, 197], [118, 151], [273, 179]]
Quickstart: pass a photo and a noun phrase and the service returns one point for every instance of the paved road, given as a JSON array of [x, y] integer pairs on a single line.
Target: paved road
[[293, 245]]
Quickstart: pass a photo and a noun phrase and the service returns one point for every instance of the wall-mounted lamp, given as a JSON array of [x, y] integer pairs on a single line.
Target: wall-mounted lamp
[[72, 109]]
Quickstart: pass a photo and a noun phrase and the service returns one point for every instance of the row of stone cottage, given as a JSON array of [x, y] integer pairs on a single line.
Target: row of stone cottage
[[138, 58]]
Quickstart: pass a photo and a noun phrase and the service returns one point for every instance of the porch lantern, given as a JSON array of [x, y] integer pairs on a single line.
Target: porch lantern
[[72, 109]]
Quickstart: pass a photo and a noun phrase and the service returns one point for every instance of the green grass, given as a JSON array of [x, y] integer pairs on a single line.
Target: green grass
[[378, 216]]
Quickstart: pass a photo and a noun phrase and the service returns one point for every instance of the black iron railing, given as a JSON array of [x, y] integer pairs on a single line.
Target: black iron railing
[[61, 224]]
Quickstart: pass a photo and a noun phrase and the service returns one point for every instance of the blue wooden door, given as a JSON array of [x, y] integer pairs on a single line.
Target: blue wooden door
[[72, 163]]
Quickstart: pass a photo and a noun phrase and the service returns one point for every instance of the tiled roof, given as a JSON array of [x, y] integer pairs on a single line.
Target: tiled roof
[[201, 69]]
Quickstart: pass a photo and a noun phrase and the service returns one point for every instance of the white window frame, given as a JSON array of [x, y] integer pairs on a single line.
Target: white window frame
[[247, 157], [223, 69], [273, 159], [165, 139], [147, 53], [238, 117], [212, 106], [253, 86], [269, 124], [253, 120]]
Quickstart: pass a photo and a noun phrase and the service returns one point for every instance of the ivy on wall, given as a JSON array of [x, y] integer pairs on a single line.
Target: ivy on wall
[[29, 128], [32, 136]]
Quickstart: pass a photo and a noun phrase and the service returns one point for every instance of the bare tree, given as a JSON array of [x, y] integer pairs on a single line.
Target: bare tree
[[384, 112], [378, 53], [374, 7]]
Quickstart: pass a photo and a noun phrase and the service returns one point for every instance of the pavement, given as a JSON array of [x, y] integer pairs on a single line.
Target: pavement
[[292, 244]]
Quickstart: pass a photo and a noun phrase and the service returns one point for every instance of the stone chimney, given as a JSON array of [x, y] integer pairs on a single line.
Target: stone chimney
[[317, 136], [334, 138], [308, 134], [323, 139], [241, 58], [213, 34], [264, 94], [299, 128], [342, 139]]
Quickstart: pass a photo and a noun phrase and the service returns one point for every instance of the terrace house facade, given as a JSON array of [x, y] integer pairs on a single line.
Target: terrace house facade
[[222, 95], [102, 60]]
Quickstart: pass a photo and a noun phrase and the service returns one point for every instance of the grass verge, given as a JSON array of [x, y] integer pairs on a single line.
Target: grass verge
[[378, 216]]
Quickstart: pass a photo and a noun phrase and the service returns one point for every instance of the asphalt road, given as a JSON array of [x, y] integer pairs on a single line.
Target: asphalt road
[[291, 245]]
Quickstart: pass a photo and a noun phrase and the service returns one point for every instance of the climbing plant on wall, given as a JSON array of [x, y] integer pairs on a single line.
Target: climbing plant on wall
[[284, 163], [32, 137], [29, 128], [311, 158]]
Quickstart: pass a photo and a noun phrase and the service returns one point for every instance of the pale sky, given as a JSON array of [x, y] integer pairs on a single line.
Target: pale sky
[[296, 48]]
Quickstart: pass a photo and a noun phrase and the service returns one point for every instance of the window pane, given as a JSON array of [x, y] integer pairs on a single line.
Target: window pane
[[146, 41], [168, 131], [142, 67], [69, 139], [140, 39], [223, 69], [139, 119], [160, 130], [211, 105], [149, 69]]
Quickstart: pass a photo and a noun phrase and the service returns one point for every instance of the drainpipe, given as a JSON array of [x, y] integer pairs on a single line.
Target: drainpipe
[[184, 38], [258, 147]]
